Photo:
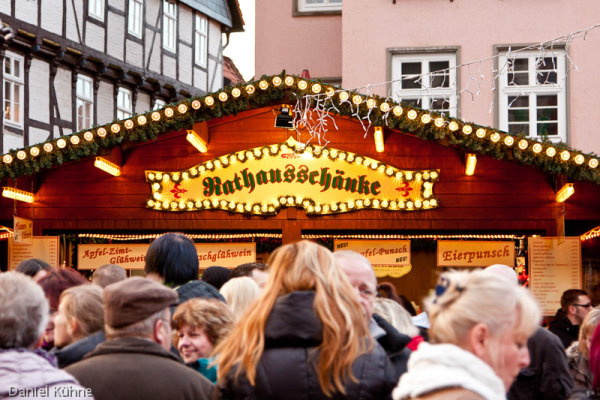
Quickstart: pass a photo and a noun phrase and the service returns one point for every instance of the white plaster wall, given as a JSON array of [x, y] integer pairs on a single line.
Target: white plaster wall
[[143, 103], [39, 91], [62, 86], [154, 57], [106, 103], [52, 16], [94, 36], [73, 22], [116, 32], [37, 135], [214, 39], [5, 7], [215, 75], [185, 23], [152, 9], [169, 66], [65, 131], [185, 64], [26, 10], [119, 4], [200, 79], [134, 53], [10, 141]]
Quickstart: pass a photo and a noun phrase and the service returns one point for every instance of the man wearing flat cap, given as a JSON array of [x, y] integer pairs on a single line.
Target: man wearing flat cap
[[135, 361]]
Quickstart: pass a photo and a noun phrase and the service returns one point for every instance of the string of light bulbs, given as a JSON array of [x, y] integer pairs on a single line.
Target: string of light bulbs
[[313, 110], [126, 237]]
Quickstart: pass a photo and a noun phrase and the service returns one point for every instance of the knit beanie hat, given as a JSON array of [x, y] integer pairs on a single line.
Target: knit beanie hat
[[216, 276]]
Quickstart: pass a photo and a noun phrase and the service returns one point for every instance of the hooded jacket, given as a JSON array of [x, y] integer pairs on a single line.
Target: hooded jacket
[[445, 371], [286, 369], [580, 368], [137, 368], [564, 329], [26, 374], [395, 345]]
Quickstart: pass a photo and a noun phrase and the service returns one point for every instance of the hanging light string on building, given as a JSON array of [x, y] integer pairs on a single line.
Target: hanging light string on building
[[190, 236]]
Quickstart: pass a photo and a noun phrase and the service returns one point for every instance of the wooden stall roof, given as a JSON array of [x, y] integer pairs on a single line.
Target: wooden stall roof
[[512, 190]]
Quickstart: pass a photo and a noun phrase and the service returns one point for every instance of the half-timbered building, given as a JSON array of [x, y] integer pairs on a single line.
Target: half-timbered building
[[73, 64]]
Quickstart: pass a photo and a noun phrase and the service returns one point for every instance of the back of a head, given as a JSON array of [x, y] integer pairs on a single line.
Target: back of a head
[[216, 276], [396, 315], [23, 311], [239, 293], [59, 280], [32, 266], [174, 258], [594, 358], [570, 297], [247, 268], [84, 304], [588, 326], [464, 299], [107, 274], [304, 266]]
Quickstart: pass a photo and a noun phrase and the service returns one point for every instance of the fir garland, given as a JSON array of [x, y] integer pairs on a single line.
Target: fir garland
[[265, 92]]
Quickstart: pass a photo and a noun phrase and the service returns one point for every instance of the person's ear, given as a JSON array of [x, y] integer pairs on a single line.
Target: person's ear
[[73, 328], [161, 333], [478, 339]]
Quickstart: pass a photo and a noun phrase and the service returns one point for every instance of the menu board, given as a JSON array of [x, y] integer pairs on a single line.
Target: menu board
[[43, 247], [554, 266]]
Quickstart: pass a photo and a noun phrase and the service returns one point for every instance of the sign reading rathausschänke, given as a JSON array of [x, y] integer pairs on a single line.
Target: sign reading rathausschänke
[[321, 180]]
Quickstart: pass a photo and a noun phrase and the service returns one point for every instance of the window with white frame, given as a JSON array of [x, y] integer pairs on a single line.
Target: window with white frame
[[96, 9], [533, 94], [135, 24], [426, 80], [85, 102], [201, 38], [319, 5], [169, 26], [158, 104], [124, 104], [12, 88]]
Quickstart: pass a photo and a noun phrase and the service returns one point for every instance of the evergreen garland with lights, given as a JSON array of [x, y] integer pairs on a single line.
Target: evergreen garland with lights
[[553, 158]]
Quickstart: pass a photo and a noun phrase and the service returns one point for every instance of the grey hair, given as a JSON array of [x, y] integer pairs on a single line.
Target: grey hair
[[143, 328], [349, 255], [107, 274], [239, 293], [396, 315], [23, 311]]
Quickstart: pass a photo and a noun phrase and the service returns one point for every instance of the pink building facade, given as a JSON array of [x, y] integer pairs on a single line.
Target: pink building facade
[[478, 60]]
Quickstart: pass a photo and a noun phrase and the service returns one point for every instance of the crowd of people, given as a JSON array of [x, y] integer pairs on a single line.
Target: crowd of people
[[310, 324]]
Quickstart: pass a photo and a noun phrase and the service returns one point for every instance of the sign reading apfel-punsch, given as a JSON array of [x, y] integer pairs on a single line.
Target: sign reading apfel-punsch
[[473, 253], [291, 174]]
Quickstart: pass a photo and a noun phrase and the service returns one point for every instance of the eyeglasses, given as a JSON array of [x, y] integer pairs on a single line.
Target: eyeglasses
[[588, 305]]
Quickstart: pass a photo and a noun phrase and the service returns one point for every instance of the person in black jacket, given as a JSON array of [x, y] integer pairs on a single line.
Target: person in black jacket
[[574, 306], [304, 338], [362, 277]]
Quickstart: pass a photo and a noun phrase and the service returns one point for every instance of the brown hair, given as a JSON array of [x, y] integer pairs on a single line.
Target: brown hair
[[303, 266], [211, 315], [57, 281]]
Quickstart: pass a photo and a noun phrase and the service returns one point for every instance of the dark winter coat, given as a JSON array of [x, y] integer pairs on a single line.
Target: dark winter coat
[[580, 367], [136, 368], [196, 289], [564, 329], [394, 343], [547, 377], [286, 369], [75, 351]]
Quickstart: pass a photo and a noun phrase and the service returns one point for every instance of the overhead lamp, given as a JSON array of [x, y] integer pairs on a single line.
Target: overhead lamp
[[17, 194], [107, 166], [378, 136], [565, 192], [284, 119], [196, 141], [471, 161]]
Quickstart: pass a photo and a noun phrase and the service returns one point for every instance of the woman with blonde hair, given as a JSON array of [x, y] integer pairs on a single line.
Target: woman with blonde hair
[[239, 293], [79, 323], [199, 325], [480, 324], [578, 354], [399, 318], [304, 338]]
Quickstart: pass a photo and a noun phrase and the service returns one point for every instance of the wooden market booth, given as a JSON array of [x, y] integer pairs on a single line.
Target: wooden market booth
[[511, 194]]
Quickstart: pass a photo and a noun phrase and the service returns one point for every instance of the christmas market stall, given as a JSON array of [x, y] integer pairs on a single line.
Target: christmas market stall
[[252, 166]]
